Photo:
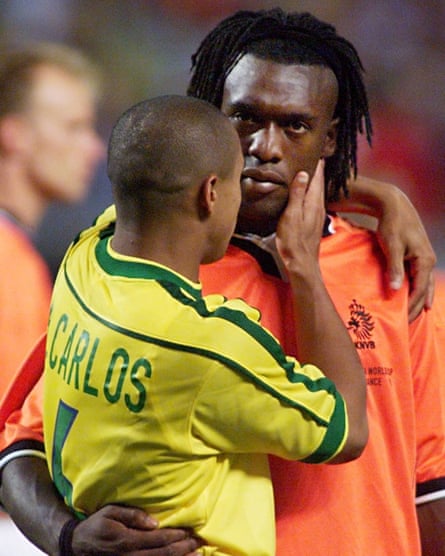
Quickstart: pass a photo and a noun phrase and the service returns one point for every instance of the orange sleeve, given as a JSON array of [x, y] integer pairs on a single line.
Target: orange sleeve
[[439, 314], [21, 405], [428, 373], [25, 290]]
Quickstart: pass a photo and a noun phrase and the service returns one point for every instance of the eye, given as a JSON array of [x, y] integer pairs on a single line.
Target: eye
[[243, 117], [297, 127]]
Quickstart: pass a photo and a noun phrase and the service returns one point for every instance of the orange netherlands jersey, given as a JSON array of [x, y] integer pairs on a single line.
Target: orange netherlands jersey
[[439, 313], [366, 506], [25, 290], [363, 507], [439, 302]]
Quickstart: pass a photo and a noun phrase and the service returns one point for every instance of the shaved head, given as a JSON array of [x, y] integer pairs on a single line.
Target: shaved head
[[162, 146]]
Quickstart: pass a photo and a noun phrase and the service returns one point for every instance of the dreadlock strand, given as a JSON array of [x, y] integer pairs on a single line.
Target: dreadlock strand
[[308, 41]]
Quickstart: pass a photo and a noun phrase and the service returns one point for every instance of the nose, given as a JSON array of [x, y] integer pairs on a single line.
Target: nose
[[266, 144]]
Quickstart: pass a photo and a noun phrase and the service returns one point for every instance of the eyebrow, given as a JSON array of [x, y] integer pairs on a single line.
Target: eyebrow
[[253, 108]]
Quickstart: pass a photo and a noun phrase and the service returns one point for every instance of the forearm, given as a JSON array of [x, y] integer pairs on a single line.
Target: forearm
[[401, 234], [31, 500], [323, 340], [321, 336], [368, 196], [431, 518]]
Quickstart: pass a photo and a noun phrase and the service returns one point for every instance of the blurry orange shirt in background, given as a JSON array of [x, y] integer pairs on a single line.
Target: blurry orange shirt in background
[[25, 290]]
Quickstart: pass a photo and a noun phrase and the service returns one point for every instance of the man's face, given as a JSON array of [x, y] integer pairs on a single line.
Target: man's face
[[283, 116], [63, 148]]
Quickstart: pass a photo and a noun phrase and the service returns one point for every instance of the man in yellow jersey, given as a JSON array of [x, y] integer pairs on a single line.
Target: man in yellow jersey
[[160, 398]]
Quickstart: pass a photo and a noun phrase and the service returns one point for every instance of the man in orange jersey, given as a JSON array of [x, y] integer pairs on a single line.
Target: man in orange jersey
[[290, 108], [48, 152]]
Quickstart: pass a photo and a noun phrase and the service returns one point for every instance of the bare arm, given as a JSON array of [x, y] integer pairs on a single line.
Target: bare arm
[[322, 338], [30, 498], [401, 234], [23, 501], [431, 518]]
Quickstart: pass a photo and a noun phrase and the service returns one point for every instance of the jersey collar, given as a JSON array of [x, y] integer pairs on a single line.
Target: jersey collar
[[264, 249]]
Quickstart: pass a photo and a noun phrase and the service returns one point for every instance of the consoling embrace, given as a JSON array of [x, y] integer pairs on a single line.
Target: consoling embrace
[[293, 91]]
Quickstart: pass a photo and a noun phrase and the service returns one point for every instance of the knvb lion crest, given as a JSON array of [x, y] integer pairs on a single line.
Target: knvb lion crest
[[361, 324]]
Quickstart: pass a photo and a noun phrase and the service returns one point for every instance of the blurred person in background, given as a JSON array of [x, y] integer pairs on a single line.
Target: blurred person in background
[[49, 150]]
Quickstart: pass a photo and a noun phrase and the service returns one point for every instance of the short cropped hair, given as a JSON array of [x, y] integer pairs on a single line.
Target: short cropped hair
[[17, 69], [166, 143]]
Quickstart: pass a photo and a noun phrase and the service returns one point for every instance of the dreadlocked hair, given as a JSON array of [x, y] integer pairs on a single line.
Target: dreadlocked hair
[[290, 38]]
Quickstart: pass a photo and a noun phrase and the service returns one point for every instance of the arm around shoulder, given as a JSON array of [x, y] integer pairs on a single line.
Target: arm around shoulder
[[401, 234], [31, 500], [33, 503], [431, 516]]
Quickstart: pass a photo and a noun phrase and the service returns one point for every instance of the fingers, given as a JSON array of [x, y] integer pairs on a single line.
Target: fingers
[[130, 517], [298, 189], [408, 251], [300, 183], [300, 226], [185, 547], [421, 291], [430, 292], [396, 270], [129, 531], [420, 276], [317, 182]]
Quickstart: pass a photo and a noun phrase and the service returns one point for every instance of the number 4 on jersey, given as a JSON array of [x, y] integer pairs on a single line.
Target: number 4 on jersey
[[64, 421]]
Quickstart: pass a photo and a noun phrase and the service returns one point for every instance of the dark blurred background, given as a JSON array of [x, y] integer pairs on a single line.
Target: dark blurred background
[[144, 49]]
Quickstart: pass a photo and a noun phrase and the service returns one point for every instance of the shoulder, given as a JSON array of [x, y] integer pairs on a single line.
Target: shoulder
[[351, 243], [19, 256]]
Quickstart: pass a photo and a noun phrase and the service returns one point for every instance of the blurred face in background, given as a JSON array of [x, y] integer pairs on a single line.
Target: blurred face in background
[[62, 147]]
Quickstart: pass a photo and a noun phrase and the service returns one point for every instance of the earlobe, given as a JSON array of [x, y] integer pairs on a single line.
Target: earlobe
[[330, 145], [12, 136]]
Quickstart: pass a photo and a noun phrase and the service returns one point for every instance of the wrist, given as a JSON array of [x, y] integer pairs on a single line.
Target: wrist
[[66, 537], [368, 196]]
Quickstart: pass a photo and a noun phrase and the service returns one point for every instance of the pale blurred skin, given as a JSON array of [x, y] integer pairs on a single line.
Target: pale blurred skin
[[64, 145], [50, 150]]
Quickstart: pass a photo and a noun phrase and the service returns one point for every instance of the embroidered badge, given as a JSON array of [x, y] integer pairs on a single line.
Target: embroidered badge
[[361, 324]]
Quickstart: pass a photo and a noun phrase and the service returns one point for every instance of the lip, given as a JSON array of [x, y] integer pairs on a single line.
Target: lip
[[262, 180], [263, 176]]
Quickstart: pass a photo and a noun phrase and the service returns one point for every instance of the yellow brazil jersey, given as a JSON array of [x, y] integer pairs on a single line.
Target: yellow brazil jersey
[[158, 397]]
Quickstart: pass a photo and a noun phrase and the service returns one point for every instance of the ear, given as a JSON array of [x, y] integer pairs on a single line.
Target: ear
[[207, 196], [330, 144], [14, 136]]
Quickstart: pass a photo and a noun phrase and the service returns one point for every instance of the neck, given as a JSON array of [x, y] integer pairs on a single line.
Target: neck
[[176, 249], [260, 228], [21, 198]]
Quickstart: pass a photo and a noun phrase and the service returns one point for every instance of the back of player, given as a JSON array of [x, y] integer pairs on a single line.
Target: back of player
[[155, 396]]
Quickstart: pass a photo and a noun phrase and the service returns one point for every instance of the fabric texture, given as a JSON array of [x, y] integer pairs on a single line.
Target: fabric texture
[[362, 507], [159, 398], [368, 505]]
